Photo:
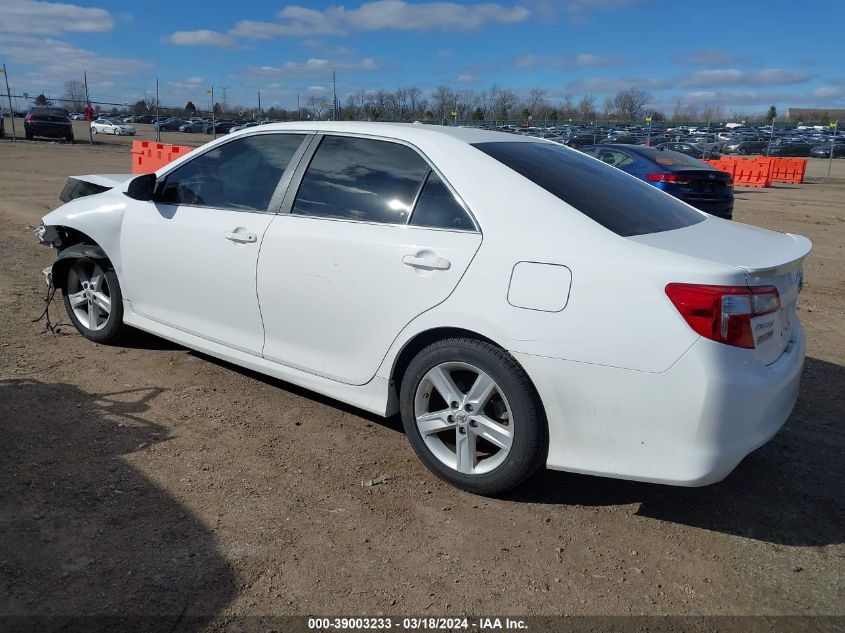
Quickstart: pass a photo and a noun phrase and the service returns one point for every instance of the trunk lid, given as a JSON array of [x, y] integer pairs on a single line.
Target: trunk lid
[[768, 258]]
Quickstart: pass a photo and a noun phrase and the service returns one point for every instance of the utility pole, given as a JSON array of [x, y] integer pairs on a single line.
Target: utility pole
[[213, 120], [11, 109], [835, 127], [88, 106], [334, 96], [259, 106], [158, 120], [298, 108]]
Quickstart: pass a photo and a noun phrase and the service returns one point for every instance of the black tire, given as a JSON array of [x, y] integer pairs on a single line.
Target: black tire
[[530, 431], [29, 136], [114, 329], [69, 139]]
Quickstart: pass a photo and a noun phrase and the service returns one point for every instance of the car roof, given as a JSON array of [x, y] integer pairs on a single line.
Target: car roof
[[403, 131]]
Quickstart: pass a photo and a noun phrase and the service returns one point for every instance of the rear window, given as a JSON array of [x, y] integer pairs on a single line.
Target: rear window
[[44, 111], [609, 196], [673, 160]]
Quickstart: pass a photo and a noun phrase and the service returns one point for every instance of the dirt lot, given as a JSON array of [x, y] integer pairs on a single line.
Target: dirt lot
[[149, 479]]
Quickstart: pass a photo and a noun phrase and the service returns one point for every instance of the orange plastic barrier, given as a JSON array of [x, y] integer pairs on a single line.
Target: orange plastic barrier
[[789, 170], [753, 173], [723, 164], [149, 156]]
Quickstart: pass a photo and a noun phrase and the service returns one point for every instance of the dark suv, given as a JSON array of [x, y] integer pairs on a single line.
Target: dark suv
[[48, 122]]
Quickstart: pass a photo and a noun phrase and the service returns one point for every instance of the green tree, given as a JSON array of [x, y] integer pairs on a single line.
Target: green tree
[[525, 114], [190, 108], [42, 100], [218, 109], [772, 114], [140, 107], [477, 115], [553, 115], [825, 118]]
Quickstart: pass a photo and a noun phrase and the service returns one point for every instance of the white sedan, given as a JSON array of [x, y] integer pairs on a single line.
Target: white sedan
[[112, 126], [519, 303]]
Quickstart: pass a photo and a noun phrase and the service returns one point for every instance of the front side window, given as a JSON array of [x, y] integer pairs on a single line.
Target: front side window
[[241, 174], [623, 204], [361, 179]]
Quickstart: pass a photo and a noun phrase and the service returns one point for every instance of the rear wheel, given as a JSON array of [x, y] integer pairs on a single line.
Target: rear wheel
[[94, 302], [473, 416], [29, 136], [94, 130]]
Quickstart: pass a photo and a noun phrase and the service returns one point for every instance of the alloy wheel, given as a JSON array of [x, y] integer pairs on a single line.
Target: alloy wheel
[[464, 418], [88, 294]]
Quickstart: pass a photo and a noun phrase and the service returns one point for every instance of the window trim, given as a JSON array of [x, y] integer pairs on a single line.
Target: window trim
[[281, 185], [308, 156]]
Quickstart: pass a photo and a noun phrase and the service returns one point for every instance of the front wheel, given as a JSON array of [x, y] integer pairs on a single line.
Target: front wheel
[[94, 302], [473, 416], [94, 130]]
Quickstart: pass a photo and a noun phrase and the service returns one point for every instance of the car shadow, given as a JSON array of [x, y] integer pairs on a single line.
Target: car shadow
[[789, 492], [86, 534]]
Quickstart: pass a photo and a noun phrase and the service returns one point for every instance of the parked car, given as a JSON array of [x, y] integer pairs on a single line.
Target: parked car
[[146, 118], [744, 147], [243, 126], [195, 126], [823, 151], [77, 116], [48, 122], [682, 176], [782, 147], [677, 352], [170, 125], [222, 127], [581, 140], [112, 126], [689, 150]]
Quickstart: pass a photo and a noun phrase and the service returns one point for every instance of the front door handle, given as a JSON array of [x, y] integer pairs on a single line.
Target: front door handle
[[426, 261], [243, 238]]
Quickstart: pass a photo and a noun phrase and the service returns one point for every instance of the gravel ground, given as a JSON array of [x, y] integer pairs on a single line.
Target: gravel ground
[[148, 479]]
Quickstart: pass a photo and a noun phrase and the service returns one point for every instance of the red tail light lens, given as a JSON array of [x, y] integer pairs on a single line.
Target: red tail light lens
[[723, 313], [28, 117], [675, 178]]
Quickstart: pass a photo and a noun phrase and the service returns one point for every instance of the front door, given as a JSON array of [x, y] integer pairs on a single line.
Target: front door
[[190, 256]]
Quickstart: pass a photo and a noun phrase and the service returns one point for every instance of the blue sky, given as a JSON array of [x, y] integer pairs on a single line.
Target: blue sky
[[742, 56]]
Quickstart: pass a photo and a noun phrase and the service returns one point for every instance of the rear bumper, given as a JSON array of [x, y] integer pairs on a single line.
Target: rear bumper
[[719, 207], [48, 130], [690, 425]]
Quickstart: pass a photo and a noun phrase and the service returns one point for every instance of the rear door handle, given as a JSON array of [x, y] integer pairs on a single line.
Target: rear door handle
[[427, 262], [244, 238]]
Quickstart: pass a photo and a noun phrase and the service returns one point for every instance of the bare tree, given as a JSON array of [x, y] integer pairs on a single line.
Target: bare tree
[[75, 95], [443, 100], [630, 104], [607, 108], [587, 107], [537, 104], [413, 97]]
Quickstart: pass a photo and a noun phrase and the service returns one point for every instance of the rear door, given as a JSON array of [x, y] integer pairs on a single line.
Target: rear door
[[371, 238]]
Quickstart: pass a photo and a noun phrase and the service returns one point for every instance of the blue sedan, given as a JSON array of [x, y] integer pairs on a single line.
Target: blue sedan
[[682, 176]]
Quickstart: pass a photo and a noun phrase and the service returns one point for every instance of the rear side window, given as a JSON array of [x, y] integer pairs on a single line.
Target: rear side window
[[361, 179], [438, 208], [241, 174], [609, 196]]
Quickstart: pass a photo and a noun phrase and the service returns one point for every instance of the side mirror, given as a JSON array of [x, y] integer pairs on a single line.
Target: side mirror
[[142, 187]]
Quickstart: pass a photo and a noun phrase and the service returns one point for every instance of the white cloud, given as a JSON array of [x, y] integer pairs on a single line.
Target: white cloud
[[581, 60], [467, 78], [313, 67], [828, 91], [202, 37], [578, 9], [28, 18], [397, 15], [735, 77], [710, 57], [603, 85], [54, 61]]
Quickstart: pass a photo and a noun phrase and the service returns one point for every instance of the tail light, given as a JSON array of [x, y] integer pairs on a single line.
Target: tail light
[[666, 177], [723, 313], [67, 119], [28, 117]]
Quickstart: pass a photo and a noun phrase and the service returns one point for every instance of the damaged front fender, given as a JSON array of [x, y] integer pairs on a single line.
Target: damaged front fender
[[58, 271]]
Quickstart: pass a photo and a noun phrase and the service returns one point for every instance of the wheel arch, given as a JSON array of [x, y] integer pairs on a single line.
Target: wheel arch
[[74, 244], [424, 338]]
